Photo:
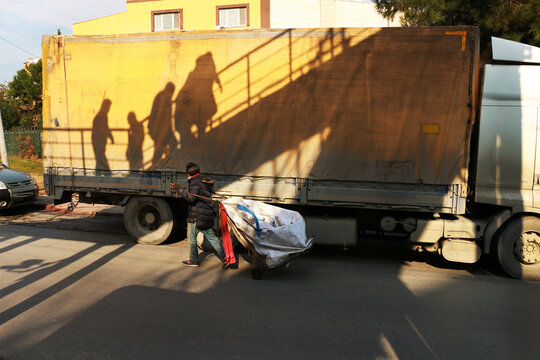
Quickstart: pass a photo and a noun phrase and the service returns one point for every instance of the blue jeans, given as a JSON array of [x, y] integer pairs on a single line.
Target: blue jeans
[[209, 235]]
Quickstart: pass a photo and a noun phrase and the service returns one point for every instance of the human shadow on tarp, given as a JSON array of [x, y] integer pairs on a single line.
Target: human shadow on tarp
[[194, 106], [160, 126], [134, 152], [100, 134]]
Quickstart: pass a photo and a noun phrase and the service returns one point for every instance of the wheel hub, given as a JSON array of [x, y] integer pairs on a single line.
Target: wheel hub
[[527, 248], [149, 218]]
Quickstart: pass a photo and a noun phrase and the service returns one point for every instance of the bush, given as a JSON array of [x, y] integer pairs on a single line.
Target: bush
[[25, 145]]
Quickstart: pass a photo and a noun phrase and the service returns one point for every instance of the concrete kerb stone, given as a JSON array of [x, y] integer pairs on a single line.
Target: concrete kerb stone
[[81, 209]]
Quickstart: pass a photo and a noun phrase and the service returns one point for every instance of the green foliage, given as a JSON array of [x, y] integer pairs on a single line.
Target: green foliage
[[516, 20], [8, 109], [22, 99]]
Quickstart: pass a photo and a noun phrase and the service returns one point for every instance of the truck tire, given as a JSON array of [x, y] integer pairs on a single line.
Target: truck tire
[[148, 219], [518, 248]]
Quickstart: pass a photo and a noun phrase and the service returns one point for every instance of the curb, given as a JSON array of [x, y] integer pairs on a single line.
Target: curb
[[81, 209]]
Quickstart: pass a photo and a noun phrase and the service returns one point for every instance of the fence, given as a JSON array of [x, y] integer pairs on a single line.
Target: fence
[[24, 142]]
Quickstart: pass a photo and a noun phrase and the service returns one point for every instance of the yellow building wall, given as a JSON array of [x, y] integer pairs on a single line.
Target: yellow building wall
[[286, 14], [197, 15]]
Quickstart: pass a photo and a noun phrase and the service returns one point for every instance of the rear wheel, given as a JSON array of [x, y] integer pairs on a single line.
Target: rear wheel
[[518, 248], [256, 274], [149, 219]]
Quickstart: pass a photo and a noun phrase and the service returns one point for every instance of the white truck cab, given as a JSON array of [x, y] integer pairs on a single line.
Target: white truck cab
[[506, 219]]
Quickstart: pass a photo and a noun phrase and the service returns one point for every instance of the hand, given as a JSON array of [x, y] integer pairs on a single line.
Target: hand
[[177, 188]]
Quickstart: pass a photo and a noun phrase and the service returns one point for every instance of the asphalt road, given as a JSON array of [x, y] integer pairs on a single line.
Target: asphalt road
[[76, 287]]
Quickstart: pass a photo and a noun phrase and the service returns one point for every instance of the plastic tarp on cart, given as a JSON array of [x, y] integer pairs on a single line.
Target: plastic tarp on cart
[[275, 234], [353, 104]]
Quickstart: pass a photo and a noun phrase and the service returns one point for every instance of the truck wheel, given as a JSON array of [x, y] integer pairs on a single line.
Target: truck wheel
[[518, 248], [256, 274], [148, 219]]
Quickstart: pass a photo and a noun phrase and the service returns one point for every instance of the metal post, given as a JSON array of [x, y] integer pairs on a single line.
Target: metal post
[[3, 149]]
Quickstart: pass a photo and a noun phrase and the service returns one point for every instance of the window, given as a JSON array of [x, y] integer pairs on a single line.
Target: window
[[167, 20], [232, 15]]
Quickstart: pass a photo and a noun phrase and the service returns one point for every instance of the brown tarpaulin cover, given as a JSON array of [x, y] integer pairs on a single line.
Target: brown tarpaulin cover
[[365, 104]]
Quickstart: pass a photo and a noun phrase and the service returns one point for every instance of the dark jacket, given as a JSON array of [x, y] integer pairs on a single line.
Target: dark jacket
[[200, 210]]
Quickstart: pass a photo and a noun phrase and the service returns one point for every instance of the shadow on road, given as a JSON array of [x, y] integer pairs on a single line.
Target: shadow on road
[[366, 303], [307, 313]]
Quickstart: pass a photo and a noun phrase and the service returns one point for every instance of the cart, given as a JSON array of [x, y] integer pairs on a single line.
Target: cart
[[274, 236], [259, 267]]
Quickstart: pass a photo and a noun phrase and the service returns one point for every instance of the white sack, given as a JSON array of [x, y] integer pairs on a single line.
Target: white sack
[[273, 232]]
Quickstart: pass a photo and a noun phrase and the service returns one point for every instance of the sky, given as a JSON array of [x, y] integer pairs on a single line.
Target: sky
[[23, 22]]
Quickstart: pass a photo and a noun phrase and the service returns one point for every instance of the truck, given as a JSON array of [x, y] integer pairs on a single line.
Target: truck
[[401, 132]]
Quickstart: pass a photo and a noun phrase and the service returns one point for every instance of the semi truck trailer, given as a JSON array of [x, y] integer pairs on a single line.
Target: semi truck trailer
[[400, 132]]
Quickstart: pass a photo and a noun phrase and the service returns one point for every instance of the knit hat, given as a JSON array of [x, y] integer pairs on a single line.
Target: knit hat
[[192, 168]]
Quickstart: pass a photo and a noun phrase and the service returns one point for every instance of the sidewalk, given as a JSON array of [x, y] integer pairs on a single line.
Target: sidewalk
[[81, 208]]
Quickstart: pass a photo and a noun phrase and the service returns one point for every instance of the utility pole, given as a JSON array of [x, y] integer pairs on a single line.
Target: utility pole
[[3, 149]]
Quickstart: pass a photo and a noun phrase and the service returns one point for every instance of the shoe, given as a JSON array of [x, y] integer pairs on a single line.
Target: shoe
[[225, 265], [190, 263]]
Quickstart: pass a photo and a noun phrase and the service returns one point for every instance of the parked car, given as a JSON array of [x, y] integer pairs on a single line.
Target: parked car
[[16, 188]]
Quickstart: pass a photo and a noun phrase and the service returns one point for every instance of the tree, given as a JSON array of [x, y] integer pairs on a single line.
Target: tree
[[25, 92], [8, 108], [516, 20]]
